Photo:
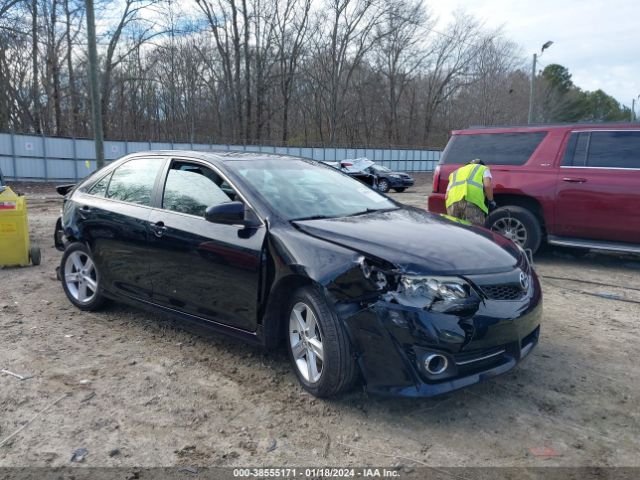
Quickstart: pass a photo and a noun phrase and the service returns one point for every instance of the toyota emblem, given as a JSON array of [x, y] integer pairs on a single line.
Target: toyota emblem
[[524, 281]]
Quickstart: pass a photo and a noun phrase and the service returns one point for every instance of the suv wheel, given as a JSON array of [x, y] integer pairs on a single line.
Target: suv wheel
[[318, 345], [517, 224], [80, 278]]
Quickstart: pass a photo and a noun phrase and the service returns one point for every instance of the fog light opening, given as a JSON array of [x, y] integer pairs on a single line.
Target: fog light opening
[[435, 363]]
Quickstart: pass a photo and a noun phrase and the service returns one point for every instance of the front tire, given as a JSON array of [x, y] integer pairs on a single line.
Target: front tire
[[517, 224], [400, 189], [318, 346], [80, 278]]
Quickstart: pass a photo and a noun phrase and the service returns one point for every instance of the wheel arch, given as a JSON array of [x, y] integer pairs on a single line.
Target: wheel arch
[[272, 321], [523, 201]]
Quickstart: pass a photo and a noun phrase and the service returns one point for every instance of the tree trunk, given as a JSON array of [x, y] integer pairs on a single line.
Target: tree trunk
[[35, 90]]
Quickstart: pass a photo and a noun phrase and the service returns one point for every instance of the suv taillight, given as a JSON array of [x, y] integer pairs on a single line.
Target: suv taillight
[[436, 179]]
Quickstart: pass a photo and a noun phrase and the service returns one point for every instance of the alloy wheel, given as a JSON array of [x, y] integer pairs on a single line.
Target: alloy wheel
[[81, 277], [306, 342], [512, 228]]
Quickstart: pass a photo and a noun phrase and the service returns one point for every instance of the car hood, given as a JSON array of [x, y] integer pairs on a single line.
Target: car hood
[[418, 242]]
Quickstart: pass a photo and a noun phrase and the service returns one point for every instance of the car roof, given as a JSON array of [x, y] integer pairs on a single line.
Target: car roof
[[216, 155], [545, 128]]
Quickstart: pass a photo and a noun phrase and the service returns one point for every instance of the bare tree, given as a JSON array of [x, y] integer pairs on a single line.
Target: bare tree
[[449, 67], [339, 49], [129, 18], [400, 54], [292, 28], [35, 90], [339, 72]]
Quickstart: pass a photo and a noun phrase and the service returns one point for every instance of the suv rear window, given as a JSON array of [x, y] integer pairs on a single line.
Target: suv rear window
[[606, 149], [492, 148]]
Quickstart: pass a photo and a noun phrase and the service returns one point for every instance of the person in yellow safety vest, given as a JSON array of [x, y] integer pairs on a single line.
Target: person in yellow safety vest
[[466, 192]]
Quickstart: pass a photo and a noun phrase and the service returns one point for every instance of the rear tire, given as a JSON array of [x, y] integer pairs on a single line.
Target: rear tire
[[80, 278], [318, 346], [517, 224], [383, 185]]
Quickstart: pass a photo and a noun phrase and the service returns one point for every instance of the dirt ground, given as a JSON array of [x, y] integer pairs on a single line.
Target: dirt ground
[[136, 389]]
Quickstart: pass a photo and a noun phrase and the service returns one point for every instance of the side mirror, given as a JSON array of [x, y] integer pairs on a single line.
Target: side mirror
[[232, 213], [229, 213]]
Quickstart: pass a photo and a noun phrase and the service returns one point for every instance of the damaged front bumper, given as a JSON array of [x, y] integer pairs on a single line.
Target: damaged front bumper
[[413, 352]]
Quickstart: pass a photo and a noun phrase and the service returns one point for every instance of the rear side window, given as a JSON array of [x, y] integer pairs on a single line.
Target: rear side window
[[133, 181], [492, 148], [603, 150], [99, 188]]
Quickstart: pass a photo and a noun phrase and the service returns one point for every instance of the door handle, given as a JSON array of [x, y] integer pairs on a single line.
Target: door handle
[[574, 180], [158, 228]]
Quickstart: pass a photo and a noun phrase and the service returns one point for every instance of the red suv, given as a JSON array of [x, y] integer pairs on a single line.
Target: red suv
[[570, 185]]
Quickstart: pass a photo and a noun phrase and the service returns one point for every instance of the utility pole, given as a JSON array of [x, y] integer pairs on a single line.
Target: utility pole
[[632, 114], [532, 87], [546, 45], [96, 112]]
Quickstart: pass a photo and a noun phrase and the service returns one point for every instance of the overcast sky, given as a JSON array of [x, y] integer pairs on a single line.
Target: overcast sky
[[597, 40]]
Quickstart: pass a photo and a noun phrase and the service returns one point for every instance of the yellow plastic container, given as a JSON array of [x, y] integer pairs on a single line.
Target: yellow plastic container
[[15, 248]]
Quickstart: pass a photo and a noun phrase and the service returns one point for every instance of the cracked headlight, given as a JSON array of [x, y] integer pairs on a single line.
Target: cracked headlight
[[440, 294]]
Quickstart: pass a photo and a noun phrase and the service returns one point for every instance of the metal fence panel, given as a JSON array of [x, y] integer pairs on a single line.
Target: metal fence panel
[[30, 168], [6, 165], [85, 150], [36, 157], [61, 168], [58, 147], [135, 146], [114, 150], [5, 144], [28, 146]]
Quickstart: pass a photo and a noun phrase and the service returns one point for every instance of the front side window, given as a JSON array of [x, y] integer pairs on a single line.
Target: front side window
[[576, 153], [492, 148], [192, 188], [133, 181]]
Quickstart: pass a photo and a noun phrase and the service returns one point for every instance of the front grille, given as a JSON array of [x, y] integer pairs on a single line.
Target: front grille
[[505, 291]]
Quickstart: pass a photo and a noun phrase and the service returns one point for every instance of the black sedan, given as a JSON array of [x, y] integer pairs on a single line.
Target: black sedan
[[279, 249], [383, 179]]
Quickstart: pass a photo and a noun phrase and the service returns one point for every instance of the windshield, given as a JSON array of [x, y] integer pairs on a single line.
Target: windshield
[[380, 168], [301, 189]]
